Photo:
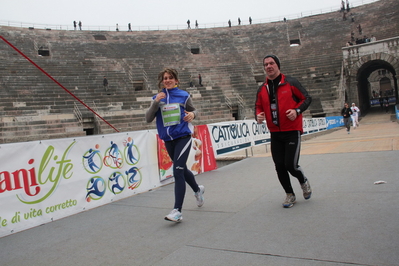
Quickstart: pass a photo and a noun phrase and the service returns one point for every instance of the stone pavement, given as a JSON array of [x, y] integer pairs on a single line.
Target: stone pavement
[[348, 221], [376, 133]]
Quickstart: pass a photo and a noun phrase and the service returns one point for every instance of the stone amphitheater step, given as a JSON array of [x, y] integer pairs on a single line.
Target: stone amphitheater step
[[229, 61]]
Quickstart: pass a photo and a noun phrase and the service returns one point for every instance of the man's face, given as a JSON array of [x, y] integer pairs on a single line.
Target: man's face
[[271, 68]]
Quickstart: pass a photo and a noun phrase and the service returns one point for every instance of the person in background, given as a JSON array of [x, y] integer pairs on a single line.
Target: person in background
[[280, 101], [386, 104], [105, 83], [174, 112], [346, 113], [355, 115], [200, 80]]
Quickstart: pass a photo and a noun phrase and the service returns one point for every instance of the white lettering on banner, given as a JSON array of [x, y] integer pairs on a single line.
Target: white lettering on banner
[[332, 122]]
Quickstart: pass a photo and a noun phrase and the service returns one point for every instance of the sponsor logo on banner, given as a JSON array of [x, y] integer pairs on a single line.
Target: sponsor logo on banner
[[261, 134], [230, 137], [115, 157], [334, 121]]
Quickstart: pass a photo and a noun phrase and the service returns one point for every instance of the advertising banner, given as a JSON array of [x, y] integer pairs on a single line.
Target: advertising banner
[[334, 121], [201, 157], [228, 137], [42, 181]]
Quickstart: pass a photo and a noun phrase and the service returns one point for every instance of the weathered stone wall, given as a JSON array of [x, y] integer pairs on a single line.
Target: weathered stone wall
[[229, 60]]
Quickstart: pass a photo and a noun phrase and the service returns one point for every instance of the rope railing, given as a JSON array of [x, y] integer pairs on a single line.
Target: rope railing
[[59, 84]]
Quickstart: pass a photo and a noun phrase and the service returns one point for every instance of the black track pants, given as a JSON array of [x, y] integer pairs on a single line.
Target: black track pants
[[285, 148], [178, 151]]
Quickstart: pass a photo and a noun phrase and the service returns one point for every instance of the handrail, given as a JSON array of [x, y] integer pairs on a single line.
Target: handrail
[[240, 100], [228, 102], [78, 113], [59, 84]]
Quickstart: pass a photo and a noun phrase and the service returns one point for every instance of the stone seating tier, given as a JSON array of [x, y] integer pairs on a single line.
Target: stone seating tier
[[229, 60]]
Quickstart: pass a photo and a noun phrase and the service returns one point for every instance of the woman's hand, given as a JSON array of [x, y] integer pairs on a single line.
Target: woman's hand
[[160, 96], [189, 116]]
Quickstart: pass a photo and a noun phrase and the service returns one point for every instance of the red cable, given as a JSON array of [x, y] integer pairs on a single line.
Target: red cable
[[59, 84]]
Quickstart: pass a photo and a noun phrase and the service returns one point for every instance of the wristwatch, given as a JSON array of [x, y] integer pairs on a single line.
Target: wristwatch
[[298, 111]]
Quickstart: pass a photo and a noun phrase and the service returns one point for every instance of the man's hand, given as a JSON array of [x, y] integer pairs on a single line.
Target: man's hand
[[260, 117], [291, 114]]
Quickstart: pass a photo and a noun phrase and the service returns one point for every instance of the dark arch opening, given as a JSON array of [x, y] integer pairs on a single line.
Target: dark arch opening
[[364, 73]]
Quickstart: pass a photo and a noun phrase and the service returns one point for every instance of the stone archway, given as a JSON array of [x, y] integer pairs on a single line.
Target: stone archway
[[359, 87]]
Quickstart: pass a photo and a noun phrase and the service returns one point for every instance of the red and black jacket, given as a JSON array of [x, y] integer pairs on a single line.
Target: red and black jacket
[[289, 94]]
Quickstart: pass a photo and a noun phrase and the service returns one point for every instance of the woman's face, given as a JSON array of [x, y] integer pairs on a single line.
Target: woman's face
[[169, 82]]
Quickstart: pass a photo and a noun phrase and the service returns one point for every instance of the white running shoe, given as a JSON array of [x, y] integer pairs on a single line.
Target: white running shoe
[[307, 190], [174, 216], [289, 200], [200, 196]]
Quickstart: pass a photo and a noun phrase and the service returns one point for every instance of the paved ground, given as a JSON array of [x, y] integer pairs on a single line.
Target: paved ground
[[348, 221], [375, 133]]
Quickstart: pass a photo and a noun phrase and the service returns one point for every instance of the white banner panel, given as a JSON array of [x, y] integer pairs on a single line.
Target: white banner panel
[[228, 137], [46, 180]]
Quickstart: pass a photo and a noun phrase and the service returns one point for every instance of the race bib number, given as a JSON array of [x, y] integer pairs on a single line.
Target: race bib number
[[171, 114], [273, 107]]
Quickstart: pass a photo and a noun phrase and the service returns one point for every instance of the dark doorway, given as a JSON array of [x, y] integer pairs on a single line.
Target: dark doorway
[[89, 131], [44, 52]]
